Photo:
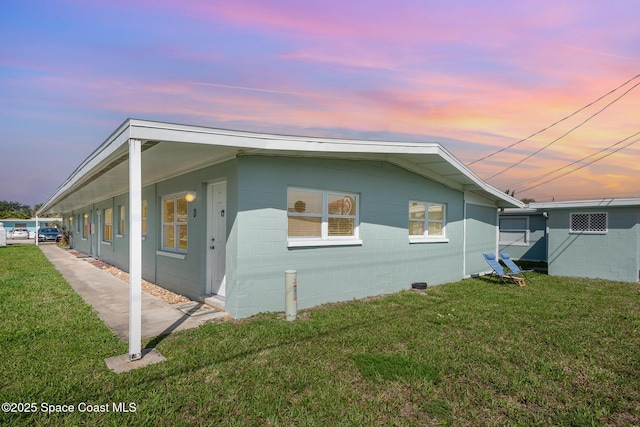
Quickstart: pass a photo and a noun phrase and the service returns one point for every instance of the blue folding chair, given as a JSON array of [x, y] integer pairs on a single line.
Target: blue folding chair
[[506, 258], [498, 270]]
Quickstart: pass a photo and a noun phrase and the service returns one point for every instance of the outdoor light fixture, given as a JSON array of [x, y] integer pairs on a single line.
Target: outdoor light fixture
[[190, 196]]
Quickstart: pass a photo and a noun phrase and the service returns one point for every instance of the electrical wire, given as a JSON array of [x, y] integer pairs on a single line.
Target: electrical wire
[[585, 165], [564, 134], [554, 124], [523, 183]]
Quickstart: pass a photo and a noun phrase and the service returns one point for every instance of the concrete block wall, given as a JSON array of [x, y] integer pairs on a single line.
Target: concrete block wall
[[385, 262], [612, 255], [536, 249]]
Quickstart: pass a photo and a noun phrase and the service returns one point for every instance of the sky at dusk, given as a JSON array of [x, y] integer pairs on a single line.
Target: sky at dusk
[[477, 77]]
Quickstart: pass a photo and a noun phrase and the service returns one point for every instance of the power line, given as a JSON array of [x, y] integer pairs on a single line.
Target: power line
[[585, 165], [552, 125], [566, 133], [522, 183]]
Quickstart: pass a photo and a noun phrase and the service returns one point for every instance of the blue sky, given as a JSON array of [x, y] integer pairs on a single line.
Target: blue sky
[[474, 76]]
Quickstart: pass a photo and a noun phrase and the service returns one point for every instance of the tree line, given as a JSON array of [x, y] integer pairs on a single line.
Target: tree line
[[17, 210]]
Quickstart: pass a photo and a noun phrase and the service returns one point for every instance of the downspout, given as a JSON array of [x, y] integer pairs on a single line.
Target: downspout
[[37, 227]]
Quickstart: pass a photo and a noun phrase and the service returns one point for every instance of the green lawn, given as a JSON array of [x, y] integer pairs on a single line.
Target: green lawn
[[557, 352]]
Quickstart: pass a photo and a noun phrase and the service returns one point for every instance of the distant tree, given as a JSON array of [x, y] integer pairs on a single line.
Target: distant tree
[[49, 215], [14, 210]]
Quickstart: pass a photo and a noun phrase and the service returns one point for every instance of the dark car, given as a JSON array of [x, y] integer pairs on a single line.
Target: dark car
[[49, 234]]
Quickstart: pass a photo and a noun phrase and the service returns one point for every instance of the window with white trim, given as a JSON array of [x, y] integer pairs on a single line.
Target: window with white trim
[[145, 212], [514, 230], [108, 225], [175, 227], [85, 225], [427, 221], [122, 218], [589, 222], [322, 217]]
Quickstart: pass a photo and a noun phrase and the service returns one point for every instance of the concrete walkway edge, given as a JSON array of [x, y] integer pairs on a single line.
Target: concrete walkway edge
[[109, 296]]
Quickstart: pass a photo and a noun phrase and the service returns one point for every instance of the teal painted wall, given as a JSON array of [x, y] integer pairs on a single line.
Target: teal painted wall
[[9, 225], [612, 255], [536, 250], [187, 276], [257, 252], [481, 236], [183, 276], [386, 262]]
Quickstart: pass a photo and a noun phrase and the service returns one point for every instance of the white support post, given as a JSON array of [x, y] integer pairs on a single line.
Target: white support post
[[135, 249], [37, 227]]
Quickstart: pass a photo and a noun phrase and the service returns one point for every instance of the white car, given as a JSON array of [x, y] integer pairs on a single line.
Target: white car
[[20, 233]]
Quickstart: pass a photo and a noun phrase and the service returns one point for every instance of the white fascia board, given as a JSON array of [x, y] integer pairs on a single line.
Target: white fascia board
[[574, 204], [520, 211], [510, 201], [157, 131], [266, 143], [116, 141], [146, 130]]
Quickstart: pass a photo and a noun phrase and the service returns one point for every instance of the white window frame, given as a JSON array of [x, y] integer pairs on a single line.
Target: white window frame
[[107, 224], [176, 248], [122, 218], [525, 230], [144, 220], [86, 226], [425, 238], [325, 239], [589, 231]]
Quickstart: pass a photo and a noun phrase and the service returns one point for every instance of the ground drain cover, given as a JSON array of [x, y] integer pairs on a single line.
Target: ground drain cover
[[194, 308]]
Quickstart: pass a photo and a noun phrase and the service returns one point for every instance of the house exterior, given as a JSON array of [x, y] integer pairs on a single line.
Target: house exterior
[[523, 234], [594, 238], [222, 214], [32, 224]]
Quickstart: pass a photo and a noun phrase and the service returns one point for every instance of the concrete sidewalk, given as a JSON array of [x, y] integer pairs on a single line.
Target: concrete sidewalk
[[109, 296]]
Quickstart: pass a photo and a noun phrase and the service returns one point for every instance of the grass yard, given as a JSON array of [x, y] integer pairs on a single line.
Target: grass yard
[[559, 351]]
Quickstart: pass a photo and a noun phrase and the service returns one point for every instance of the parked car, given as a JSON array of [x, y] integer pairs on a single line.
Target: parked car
[[20, 233], [49, 234]]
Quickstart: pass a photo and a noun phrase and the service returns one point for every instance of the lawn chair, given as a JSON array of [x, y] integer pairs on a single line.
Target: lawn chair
[[506, 258], [498, 270]]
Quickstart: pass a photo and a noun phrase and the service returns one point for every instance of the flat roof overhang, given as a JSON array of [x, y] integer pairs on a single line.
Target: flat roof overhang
[[170, 150], [587, 204]]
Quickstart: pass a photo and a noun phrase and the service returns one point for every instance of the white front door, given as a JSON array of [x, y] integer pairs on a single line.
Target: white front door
[[216, 237]]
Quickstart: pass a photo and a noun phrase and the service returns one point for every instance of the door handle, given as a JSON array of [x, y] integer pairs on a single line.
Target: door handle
[[212, 247]]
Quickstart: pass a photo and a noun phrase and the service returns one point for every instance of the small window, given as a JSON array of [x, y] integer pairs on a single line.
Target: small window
[[514, 231], [122, 218], [145, 210], [427, 221], [108, 225], [175, 224], [589, 222], [321, 217], [85, 226]]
